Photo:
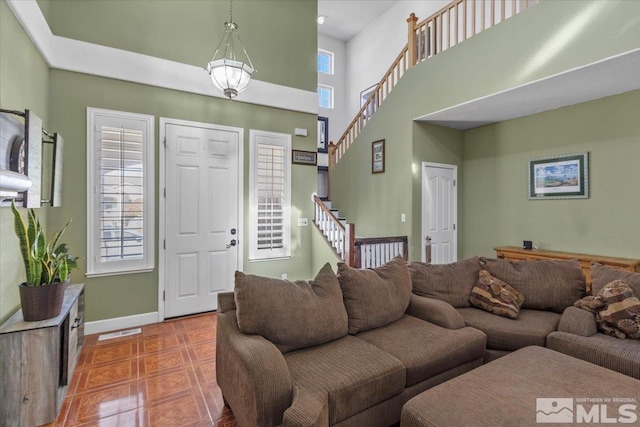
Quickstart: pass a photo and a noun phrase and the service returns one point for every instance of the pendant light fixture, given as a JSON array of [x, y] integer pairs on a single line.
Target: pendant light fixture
[[230, 67]]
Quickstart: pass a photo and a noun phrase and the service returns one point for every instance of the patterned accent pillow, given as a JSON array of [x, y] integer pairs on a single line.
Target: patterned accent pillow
[[496, 296], [617, 310]]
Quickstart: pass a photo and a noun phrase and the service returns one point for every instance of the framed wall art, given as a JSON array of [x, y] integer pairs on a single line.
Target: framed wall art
[[323, 134], [377, 156], [559, 177]]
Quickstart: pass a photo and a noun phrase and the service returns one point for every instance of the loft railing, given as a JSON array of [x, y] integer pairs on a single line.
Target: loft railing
[[356, 252], [373, 252], [454, 23]]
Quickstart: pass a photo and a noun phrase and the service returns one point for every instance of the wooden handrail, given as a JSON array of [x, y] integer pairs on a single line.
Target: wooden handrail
[[425, 39]]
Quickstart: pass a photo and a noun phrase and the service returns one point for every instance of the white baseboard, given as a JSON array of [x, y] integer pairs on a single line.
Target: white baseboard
[[108, 325]]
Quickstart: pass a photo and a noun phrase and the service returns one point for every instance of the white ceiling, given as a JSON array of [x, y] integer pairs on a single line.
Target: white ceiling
[[346, 18], [608, 77]]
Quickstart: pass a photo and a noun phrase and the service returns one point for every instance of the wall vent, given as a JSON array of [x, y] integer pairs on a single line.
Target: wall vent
[[119, 334]]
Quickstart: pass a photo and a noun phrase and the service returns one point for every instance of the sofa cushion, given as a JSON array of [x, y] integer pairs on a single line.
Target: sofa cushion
[[375, 297], [451, 283], [353, 375], [426, 349], [530, 328], [602, 275], [291, 314], [496, 296], [619, 355], [546, 284], [616, 308]]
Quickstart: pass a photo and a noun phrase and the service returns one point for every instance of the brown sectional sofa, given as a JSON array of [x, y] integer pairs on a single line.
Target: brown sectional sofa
[[578, 334], [548, 288], [381, 354], [351, 349]]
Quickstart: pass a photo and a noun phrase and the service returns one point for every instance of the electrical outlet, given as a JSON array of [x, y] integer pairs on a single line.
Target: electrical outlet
[[284, 276], [303, 222]]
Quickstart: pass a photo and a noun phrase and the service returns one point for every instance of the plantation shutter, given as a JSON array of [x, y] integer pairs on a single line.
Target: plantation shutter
[[270, 192], [121, 179]]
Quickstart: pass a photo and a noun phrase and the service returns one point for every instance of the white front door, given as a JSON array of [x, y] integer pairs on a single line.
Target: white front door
[[439, 212], [201, 215]]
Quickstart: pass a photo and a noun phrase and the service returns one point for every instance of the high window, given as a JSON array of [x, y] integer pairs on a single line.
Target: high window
[[325, 96], [120, 176], [270, 195], [325, 61]]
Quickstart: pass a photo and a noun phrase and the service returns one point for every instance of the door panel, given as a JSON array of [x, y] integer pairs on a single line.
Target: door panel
[[201, 209], [439, 212]]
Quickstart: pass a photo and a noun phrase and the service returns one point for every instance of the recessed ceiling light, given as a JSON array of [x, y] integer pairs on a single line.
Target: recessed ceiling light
[[321, 19]]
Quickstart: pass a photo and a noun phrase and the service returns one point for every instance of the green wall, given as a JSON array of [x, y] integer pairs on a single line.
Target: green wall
[[321, 252], [273, 32], [510, 54], [24, 82], [72, 93], [61, 99], [495, 182]]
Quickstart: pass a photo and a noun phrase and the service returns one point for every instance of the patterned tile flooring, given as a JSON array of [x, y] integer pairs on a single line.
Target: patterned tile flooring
[[165, 376]]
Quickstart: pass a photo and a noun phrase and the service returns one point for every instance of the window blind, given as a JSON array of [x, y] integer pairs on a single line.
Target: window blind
[[270, 192], [121, 193]]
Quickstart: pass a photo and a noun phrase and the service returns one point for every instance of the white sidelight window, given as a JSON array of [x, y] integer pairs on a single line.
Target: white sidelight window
[[270, 195], [120, 192]]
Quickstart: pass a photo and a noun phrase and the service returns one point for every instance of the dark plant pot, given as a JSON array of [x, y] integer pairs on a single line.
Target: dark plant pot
[[41, 302]]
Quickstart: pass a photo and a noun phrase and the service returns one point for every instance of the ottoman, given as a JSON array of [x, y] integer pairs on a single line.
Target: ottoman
[[529, 386]]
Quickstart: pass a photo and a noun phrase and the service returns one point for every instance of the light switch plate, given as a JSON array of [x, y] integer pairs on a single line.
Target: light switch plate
[[303, 222]]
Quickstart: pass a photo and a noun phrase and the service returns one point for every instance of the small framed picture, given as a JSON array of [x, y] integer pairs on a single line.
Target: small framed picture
[[559, 177], [364, 97], [304, 158], [377, 156]]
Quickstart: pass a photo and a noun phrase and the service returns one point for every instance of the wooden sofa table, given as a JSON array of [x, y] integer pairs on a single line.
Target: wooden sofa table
[[533, 384], [515, 253]]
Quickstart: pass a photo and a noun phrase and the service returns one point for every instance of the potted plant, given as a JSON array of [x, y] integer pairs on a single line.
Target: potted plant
[[47, 265]]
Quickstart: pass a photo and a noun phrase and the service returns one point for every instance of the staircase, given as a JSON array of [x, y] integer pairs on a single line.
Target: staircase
[[357, 252], [454, 23]]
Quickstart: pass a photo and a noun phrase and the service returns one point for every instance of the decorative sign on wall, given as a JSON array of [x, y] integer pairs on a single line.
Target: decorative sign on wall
[[304, 158]]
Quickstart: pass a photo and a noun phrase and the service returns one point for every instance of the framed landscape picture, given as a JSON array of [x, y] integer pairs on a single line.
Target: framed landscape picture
[[377, 156], [559, 177]]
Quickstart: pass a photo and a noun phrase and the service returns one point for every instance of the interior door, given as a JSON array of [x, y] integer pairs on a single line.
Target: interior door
[[201, 216], [439, 213]]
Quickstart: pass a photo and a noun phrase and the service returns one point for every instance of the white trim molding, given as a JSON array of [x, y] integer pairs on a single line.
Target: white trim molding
[[115, 323], [88, 58]]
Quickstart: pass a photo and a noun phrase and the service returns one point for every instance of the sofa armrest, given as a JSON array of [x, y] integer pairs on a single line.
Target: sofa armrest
[[252, 374], [578, 322], [435, 311], [309, 409]]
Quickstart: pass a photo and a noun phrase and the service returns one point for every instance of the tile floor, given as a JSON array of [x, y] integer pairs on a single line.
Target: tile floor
[[164, 376]]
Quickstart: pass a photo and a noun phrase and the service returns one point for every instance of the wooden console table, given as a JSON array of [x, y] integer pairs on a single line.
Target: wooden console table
[[38, 360], [515, 253]]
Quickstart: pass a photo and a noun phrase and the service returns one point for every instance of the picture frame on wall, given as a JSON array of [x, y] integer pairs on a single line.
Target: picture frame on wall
[[300, 157], [323, 134], [377, 156], [364, 97], [559, 177]]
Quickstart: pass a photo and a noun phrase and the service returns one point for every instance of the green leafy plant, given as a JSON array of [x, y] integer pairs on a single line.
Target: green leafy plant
[[45, 261]]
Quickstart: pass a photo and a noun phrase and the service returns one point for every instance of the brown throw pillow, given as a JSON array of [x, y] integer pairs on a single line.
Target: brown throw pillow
[[546, 284], [617, 310], [602, 275], [375, 297], [496, 296], [450, 283], [291, 314]]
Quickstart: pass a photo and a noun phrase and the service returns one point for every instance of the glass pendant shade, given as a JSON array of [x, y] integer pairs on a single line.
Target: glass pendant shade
[[230, 70]]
